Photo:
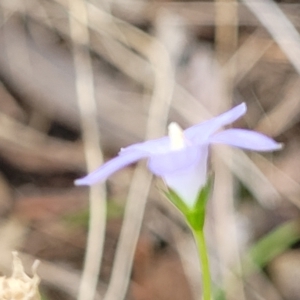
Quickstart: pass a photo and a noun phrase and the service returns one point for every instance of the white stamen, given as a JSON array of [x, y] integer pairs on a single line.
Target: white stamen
[[176, 136]]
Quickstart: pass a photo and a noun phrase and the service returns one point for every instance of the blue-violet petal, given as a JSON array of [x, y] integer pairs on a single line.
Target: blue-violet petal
[[201, 132], [110, 167], [188, 182], [172, 161], [246, 139], [158, 146]]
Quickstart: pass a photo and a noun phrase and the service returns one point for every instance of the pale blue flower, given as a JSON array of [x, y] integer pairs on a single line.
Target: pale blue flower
[[181, 158]]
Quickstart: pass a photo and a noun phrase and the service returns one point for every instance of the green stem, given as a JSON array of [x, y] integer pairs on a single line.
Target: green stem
[[202, 250]]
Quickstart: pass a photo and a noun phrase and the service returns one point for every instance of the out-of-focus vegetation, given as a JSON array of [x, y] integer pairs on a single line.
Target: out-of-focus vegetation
[[152, 62]]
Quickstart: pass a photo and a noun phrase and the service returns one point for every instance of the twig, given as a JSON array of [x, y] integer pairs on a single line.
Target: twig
[[244, 59], [279, 26], [65, 279], [223, 196], [158, 115], [32, 150], [91, 139], [284, 114]]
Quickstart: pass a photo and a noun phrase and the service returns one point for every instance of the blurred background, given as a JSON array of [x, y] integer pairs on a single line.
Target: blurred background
[[80, 79]]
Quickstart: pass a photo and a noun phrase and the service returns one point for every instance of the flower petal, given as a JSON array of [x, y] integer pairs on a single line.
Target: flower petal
[[157, 146], [172, 161], [113, 165], [187, 182], [246, 139], [201, 132]]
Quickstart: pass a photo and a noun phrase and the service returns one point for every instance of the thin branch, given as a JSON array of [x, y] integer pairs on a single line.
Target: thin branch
[[279, 26], [223, 205], [159, 108], [87, 105]]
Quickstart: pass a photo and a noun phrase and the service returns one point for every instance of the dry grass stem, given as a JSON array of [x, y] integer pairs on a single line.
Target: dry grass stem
[[91, 140], [37, 151], [244, 60], [63, 278], [250, 175], [284, 114], [279, 26], [137, 196], [226, 35]]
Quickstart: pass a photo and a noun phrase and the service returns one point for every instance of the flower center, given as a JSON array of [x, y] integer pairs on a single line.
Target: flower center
[[176, 136]]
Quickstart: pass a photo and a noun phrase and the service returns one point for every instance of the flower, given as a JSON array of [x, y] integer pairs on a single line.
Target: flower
[[181, 158]]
